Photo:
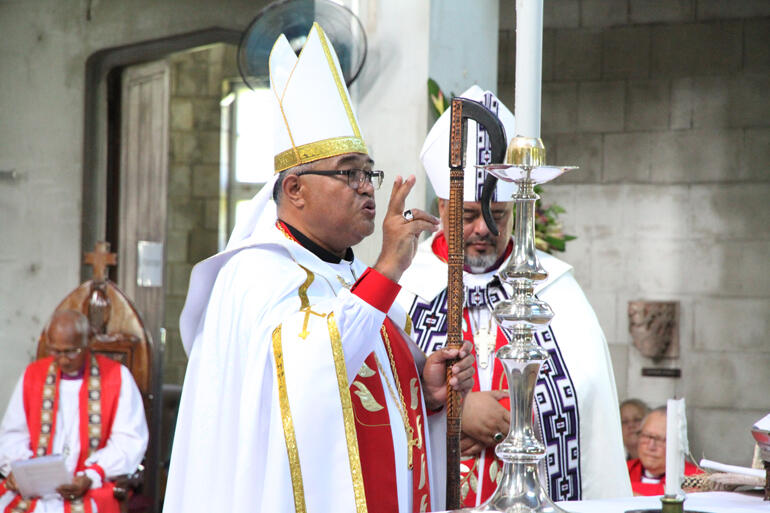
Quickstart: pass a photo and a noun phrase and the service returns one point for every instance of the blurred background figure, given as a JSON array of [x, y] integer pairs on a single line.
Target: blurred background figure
[[632, 411], [648, 471]]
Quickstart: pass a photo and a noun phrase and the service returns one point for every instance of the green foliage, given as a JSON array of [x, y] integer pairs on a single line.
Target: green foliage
[[438, 100], [549, 234]]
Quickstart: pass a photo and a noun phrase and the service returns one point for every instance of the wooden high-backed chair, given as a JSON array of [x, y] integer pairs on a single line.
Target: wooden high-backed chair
[[117, 332]]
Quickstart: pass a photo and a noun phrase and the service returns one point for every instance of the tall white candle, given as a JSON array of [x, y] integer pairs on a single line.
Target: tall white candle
[[674, 454], [529, 66]]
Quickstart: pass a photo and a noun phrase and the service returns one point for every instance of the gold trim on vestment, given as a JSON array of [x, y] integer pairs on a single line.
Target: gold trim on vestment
[[305, 302], [288, 425], [318, 150], [347, 414], [303, 299], [340, 86], [285, 88]]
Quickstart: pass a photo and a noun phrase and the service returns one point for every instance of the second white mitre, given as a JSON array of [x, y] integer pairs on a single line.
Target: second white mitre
[[435, 150]]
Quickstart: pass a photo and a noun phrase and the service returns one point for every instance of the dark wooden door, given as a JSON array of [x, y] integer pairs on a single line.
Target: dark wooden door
[[142, 222]]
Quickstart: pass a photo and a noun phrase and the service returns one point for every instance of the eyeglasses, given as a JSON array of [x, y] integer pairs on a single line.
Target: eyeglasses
[[356, 177], [651, 439], [69, 353]]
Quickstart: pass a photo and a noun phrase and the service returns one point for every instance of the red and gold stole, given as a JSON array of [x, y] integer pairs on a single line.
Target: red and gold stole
[[373, 428], [98, 402]]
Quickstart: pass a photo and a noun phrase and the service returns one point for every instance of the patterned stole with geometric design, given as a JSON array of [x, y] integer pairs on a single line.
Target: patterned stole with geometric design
[[555, 400], [557, 418]]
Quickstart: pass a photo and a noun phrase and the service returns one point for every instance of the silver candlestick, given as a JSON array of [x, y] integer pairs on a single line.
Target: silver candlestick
[[519, 489]]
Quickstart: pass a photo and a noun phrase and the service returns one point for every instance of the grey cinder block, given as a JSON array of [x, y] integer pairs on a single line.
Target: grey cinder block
[[577, 54], [661, 11], [712, 48], [601, 106]]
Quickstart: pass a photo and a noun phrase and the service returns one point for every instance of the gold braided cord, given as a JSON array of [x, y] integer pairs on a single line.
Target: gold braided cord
[[410, 441], [402, 404], [288, 425], [340, 86], [347, 414], [285, 233], [318, 150]]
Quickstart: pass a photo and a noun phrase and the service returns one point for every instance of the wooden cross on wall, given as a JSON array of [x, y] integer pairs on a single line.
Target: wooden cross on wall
[[100, 258]]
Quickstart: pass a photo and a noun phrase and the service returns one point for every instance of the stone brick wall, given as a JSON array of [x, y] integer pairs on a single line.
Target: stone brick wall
[[193, 203], [663, 104]]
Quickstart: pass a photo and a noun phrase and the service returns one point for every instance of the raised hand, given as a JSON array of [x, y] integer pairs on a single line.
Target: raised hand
[[399, 235]]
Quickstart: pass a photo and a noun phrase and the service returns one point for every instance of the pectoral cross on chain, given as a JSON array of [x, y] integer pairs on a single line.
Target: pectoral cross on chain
[[410, 444], [485, 341]]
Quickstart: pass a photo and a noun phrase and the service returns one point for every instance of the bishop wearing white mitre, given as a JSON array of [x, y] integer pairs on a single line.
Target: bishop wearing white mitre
[[303, 392]]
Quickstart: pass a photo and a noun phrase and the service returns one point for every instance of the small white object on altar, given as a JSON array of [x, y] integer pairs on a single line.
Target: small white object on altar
[[712, 502]]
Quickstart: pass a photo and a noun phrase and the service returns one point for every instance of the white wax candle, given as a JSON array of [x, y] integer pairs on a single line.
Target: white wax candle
[[674, 455], [529, 66]]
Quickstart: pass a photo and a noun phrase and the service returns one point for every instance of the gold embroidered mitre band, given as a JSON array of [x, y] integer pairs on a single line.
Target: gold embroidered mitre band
[[314, 118]]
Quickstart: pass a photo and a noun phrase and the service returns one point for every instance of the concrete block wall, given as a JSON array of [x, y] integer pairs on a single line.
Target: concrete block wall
[[193, 207], [663, 105], [42, 79]]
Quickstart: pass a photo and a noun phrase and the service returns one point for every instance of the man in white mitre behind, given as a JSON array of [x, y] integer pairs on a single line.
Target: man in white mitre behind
[[82, 406], [303, 392], [575, 396]]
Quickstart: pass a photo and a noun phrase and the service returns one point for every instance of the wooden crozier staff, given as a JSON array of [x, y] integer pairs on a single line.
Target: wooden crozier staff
[[462, 110]]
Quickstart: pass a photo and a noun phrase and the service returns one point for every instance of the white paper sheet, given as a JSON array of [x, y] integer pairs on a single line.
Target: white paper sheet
[[722, 467], [40, 477]]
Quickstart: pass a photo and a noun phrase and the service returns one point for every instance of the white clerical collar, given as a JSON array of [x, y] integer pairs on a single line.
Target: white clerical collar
[[647, 477]]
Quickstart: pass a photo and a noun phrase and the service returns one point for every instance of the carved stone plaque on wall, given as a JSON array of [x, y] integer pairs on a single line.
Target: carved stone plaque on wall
[[654, 328]]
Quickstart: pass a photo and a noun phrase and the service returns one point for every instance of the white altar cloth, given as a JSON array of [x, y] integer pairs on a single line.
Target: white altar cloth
[[710, 502]]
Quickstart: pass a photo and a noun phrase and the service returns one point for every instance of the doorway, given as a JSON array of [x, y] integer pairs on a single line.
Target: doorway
[[152, 189]]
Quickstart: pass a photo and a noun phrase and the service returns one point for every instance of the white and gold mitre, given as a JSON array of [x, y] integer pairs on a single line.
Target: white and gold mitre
[[435, 151], [314, 118]]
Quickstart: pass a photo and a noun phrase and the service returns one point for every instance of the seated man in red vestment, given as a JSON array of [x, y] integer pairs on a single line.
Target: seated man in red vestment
[[83, 406], [648, 471]]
